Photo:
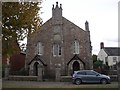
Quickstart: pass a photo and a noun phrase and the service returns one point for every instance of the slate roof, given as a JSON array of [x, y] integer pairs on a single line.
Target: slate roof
[[75, 58], [37, 58], [112, 51]]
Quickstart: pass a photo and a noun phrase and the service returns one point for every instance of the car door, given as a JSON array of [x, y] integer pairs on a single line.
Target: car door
[[92, 77], [82, 76]]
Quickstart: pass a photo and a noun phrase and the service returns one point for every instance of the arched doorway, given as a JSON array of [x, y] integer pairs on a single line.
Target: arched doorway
[[76, 66], [36, 69]]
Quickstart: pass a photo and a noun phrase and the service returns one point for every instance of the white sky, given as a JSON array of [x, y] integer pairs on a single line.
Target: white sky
[[102, 16]]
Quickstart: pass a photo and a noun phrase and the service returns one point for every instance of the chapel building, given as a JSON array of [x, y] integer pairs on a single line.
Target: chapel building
[[59, 44]]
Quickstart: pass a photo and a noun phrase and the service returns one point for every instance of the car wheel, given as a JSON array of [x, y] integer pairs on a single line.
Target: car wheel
[[103, 81], [78, 81]]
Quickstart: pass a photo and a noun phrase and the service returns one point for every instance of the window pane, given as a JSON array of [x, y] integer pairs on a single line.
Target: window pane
[[55, 49], [81, 73], [114, 59], [90, 73], [39, 48], [76, 47], [60, 50]]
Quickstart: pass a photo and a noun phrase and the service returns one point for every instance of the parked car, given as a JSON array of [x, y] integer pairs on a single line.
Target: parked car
[[89, 76]]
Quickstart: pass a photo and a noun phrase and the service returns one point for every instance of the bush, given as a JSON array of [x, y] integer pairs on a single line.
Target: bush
[[23, 72], [3, 70]]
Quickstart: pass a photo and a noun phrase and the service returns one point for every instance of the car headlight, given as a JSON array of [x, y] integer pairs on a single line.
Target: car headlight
[[108, 77]]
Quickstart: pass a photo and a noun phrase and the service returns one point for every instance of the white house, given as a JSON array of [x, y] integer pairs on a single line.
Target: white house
[[109, 55]]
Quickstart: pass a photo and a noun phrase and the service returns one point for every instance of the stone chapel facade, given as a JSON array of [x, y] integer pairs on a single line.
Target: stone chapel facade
[[59, 44]]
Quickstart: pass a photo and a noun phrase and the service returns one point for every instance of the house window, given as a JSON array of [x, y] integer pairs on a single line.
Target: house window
[[57, 50], [114, 59], [76, 47], [39, 48]]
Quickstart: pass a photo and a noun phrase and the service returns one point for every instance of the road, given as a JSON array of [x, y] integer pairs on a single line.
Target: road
[[35, 84]]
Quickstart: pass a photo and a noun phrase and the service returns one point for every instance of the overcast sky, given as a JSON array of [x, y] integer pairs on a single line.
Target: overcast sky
[[102, 16]]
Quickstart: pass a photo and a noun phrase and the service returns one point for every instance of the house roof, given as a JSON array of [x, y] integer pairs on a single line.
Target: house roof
[[75, 58], [112, 51], [37, 58]]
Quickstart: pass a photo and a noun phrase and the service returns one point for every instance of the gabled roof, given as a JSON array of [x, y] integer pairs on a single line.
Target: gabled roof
[[75, 58], [65, 19], [37, 58], [112, 51], [49, 22]]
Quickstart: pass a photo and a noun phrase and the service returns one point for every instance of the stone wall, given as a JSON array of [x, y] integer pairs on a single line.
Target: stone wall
[[69, 32]]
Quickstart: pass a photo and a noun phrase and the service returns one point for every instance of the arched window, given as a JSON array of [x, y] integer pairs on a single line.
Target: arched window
[[39, 48], [57, 50], [76, 49]]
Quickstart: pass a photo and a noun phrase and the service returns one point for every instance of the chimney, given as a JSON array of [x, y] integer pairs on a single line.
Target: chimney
[[86, 26], [101, 45]]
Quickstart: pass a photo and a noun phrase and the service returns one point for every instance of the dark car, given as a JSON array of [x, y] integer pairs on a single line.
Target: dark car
[[89, 76]]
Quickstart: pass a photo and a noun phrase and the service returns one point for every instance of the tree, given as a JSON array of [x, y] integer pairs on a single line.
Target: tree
[[98, 64], [101, 67], [94, 58], [19, 20]]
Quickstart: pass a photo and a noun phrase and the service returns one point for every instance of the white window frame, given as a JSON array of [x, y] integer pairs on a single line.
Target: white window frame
[[76, 49], [54, 51], [57, 49], [114, 59], [39, 48]]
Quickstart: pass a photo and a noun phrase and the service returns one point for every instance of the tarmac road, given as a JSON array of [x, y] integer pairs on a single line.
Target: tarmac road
[[35, 84]]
